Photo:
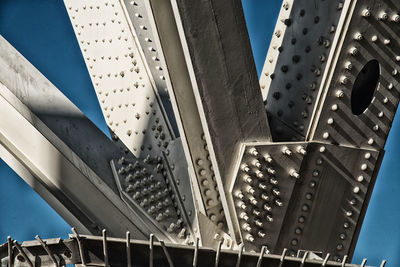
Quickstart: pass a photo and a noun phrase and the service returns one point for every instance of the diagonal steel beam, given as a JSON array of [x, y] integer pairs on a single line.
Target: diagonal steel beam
[[60, 171], [120, 75], [62, 151], [214, 88]]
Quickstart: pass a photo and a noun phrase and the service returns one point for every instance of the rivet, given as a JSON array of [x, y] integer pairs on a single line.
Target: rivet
[[364, 166], [261, 234], [273, 181], [370, 141], [267, 207], [301, 150], [360, 178], [383, 16], [344, 80], [325, 135], [286, 151], [294, 174], [250, 238], [245, 168], [247, 179], [356, 190], [265, 197], [353, 51], [278, 202], [340, 93], [253, 151], [395, 18], [342, 236], [358, 36], [366, 13], [268, 158]]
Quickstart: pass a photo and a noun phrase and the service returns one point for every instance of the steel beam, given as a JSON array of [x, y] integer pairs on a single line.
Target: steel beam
[[295, 64], [140, 20], [207, 196], [340, 84], [70, 145], [360, 93], [216, 78], [223, 76], [303, 196], [120, 75], [61, 171]]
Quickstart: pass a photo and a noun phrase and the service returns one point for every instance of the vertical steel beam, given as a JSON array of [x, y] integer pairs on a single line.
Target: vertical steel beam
[[223, 76], [68, 138], [172, 58], [209, 48]]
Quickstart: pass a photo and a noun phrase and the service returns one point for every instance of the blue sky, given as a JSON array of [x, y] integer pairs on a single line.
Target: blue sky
[[42, 32]]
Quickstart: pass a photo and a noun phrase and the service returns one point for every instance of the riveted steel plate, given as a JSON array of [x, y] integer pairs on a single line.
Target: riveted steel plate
[[197, 154], [177, 166], [120, 75], [352, 111], [146, 186], [140, 20], [223, 77], [296, 61], [328, 203], [262, 190]]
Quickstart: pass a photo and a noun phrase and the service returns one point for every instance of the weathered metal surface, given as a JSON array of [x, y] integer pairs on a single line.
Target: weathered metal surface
[[330, 82], [361, 92], [296, 61], [303, 196], [328, 203]]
